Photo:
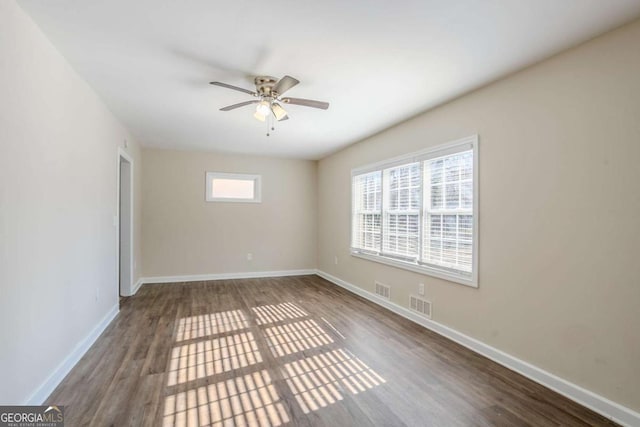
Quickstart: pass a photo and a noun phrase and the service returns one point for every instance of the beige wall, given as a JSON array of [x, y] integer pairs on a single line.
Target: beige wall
[[184, 235], [559, 214], [58, 157]]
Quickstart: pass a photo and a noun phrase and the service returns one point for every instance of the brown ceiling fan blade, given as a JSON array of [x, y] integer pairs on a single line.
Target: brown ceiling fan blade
[[284, 84], [228, 86], [242, 104], [306, 102]]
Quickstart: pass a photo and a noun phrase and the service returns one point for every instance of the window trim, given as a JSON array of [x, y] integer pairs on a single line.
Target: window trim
[[470, 142], [257, 187], [367, 212]]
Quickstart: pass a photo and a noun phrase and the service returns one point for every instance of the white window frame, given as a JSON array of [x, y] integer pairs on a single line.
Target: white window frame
[[355, 212], [386, 213], [453, 147], [257, 187]]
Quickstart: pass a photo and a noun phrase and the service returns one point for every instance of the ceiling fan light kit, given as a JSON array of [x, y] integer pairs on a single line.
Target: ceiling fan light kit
[[278, 111], [264, 107], [269, 90]]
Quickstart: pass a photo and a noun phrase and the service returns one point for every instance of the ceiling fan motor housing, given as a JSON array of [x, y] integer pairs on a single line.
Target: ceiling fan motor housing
[[264, 84]]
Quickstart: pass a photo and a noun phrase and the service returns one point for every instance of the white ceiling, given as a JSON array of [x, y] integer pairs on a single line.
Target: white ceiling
[[377, 62]]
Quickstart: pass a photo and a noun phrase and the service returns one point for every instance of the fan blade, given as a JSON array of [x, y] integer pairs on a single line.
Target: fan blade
[[242, 104], [278, 111], [228, 86], [306, 102], [284, 84]]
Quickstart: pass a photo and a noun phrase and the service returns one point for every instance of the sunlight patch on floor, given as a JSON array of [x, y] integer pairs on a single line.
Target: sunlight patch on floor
[[266, 314], [295, 337], [251, 399], [210, 324], [206, 358], [320, 380], [248, 400]]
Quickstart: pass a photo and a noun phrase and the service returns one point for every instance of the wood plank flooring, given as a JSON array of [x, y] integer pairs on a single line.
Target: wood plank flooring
[[291, 351]]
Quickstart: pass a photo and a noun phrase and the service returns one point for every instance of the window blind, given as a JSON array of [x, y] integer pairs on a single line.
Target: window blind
[[418, 210], [448, 212], [367, 212], [402, 203]]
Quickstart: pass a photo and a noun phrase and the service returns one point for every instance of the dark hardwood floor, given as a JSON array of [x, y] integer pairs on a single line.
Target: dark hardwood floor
[[291, 351]]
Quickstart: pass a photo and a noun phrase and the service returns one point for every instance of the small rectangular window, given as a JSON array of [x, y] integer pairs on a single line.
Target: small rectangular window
[[233, 187]]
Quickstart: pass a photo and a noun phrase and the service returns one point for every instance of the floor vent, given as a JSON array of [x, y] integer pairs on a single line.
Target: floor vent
[[383, 290], [420, 305]]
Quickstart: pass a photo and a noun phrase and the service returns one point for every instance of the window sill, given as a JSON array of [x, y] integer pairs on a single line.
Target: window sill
[[463, 280], [231, 200]]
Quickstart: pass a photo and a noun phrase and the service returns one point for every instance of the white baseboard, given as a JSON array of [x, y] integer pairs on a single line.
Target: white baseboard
[[595, 402], [137, 286], [223, 276], [47, 387]]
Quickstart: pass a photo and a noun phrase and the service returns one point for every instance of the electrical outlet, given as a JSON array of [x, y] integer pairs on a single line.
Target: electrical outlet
[[249, 256], [421, 288], [335, 259]]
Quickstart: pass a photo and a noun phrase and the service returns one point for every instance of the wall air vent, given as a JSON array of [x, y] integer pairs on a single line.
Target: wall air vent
[[420, 305], [383, 290]]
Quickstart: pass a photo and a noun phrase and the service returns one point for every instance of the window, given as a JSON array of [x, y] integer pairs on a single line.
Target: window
[[367, 211], [419, 211], [227, 187], [402, 187]]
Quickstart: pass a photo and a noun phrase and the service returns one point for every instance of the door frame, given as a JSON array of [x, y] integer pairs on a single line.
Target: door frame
[[122, 154]]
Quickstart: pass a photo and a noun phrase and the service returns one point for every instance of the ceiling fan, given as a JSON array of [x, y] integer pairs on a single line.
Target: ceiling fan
[[269, 91]]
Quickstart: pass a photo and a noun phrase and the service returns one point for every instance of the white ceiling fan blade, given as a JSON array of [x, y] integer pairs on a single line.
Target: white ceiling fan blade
[[284, 84]]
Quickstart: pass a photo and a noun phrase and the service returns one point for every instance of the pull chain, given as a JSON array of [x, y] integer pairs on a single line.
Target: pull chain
[[270, 124]]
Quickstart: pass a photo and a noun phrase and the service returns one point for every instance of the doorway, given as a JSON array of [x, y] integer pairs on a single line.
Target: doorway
[[125, 224]]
